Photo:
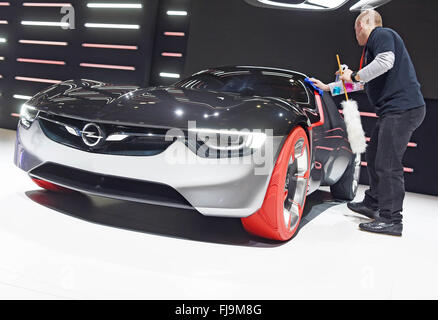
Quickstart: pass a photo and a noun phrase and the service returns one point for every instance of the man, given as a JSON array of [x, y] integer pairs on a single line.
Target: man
[[392, 87]]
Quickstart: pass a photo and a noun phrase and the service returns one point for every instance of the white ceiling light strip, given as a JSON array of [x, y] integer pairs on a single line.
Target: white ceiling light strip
[[4, 4], [3, 40], [21, 97], [176, 13], [115, 5], [46, 4], [309, 4], [112, 26], [368, 4], [169, 75], [45, 23], [327, 3], [3, 21], [47, 43]]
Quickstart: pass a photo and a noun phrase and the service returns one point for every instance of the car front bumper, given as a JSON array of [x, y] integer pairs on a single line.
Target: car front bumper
[[214, 187]]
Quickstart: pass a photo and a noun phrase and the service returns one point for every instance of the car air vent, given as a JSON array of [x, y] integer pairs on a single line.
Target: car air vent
[[110, 186], [104, 138]]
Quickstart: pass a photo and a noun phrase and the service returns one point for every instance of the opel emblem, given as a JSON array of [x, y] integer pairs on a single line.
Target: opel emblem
[[92, 134]]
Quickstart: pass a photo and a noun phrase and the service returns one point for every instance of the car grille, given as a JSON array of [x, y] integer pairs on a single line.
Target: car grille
[[110, 186], [140, 141]]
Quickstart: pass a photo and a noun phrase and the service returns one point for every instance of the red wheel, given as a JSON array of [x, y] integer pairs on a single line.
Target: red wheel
[[281, 211], [50, 186]]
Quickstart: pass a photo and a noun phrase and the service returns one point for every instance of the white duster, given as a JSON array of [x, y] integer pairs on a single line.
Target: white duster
[[356, 135]]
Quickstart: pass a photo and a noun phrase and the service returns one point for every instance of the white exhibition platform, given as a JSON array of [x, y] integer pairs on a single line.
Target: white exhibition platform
[[56, 246]]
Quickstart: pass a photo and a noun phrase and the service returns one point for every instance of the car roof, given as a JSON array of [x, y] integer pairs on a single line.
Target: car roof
[[249, 68]]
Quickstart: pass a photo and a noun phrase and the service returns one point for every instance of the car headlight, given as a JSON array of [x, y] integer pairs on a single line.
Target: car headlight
[[209, 143], [27, 115]]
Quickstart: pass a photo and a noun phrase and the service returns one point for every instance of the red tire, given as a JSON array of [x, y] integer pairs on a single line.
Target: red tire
[[271, 220], [50, 186]]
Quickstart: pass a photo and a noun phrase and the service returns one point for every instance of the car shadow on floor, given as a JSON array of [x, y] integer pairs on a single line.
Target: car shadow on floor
[[165, 221]]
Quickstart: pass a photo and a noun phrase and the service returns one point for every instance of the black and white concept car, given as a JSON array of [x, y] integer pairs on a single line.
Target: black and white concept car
[[241, 141]]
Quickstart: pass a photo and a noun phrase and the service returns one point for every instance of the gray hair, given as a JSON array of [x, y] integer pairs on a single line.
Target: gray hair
[[370, 17]]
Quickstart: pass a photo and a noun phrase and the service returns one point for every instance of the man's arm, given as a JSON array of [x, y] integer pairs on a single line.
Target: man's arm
[[383, 48], [382, 63], [320, 84]]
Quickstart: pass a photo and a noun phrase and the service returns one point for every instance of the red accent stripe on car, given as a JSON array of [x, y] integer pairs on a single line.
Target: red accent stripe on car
[[320, 110], [334, 129], [324, 148], [345, 148]]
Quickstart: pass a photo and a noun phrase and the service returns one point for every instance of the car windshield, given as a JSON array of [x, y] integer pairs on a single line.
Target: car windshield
[[245, 83]]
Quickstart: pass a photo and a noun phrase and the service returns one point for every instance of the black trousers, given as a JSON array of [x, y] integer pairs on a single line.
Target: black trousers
[[384, 156]]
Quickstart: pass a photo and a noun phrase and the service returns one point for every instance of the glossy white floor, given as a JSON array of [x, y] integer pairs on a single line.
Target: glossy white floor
[[50, 248]]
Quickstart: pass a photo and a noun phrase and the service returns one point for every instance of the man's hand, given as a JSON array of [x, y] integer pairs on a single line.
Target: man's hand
[[346, 76], [320, 84]]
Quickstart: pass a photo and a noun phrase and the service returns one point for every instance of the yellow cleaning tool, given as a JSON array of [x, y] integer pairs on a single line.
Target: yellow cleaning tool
[[340, 73]]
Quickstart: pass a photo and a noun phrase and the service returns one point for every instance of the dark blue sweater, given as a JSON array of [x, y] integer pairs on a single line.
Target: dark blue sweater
[[398, 89]]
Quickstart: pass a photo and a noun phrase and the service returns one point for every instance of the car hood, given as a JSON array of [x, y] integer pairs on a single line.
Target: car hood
[[165, 107]]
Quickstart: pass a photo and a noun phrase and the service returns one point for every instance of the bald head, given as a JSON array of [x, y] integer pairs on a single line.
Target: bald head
[[370, 18], [365, 23]]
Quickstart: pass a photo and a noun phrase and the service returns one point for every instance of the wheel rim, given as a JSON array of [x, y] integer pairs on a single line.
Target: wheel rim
[[295, 188], [356, 173]]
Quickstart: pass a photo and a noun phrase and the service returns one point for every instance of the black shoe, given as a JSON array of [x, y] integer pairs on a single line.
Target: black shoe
[[361, 208], [393, 229]]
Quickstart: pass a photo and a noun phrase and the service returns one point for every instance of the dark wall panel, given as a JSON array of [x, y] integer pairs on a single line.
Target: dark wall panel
[[170, 42], [227, 32], [137, 62]]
